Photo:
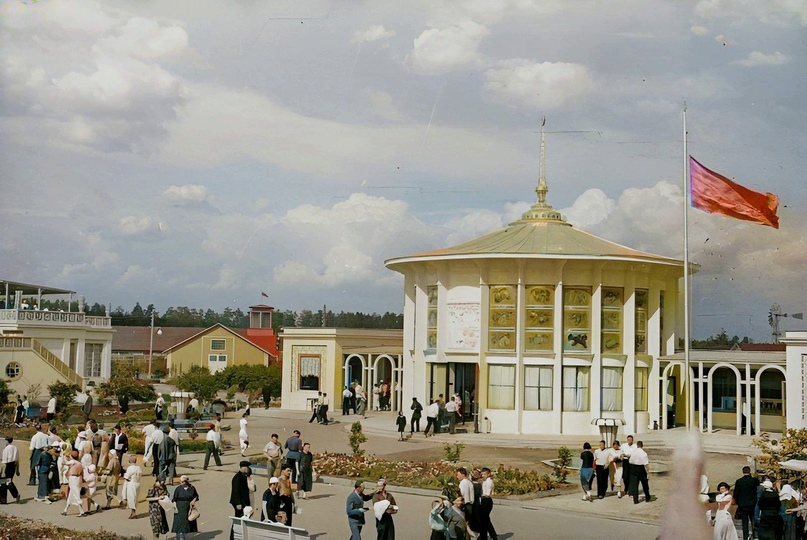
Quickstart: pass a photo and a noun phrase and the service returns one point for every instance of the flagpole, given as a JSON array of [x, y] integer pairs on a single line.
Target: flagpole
[[686, 374]]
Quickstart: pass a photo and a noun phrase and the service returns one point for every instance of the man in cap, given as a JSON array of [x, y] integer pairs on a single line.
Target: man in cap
[[355, 509], [39, 444], [271, 501], [239, 492]]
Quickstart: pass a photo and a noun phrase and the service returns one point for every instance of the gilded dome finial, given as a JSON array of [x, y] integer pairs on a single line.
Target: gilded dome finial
[[542, 210]]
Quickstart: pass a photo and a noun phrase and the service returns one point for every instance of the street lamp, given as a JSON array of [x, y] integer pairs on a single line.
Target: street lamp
[[151, 342]]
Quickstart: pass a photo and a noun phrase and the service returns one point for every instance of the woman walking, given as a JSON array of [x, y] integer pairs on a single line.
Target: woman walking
[[243, 437], [132, 486], [586, 470], [185, 498], [157, 518], [74, 474], [306, 480], [724, 524]]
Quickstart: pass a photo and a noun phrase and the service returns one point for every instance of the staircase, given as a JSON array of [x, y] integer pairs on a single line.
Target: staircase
[[57, 364]]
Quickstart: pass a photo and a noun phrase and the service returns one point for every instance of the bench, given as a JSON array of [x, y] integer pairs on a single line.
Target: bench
[[249, 529]]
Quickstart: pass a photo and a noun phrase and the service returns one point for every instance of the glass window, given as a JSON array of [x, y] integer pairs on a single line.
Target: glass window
[[13, 370], [309, 372], [641, 321], [611, 320], [576, 319], [539, 317], [431, 325], [217, 344], [538, 388], [92, 359], [575, 388], [502, 318], [641, 388], [611, 389], [501, 387], [217, 358], [661, 322]]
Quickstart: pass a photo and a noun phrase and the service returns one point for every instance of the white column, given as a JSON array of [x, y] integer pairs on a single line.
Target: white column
[[557, 372], [520, 324]]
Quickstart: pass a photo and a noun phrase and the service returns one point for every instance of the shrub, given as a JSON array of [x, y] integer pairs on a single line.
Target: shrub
[[792, 445], [64, 393], [356, 439], [563, 463], [453, 453], [4, 392]]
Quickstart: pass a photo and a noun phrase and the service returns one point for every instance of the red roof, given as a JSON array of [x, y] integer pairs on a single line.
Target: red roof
[[762, 347]]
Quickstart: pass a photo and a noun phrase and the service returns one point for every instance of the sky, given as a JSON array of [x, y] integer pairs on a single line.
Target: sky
[[199, 153]]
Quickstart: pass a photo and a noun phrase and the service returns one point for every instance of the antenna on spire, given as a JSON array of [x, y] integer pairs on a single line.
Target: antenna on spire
[[542, 188]]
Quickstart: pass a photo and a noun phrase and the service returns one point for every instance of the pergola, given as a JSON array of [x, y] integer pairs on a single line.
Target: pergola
[[15, 288]]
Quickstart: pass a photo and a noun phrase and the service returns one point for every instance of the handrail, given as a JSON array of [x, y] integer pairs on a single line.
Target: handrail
[[57, 364]]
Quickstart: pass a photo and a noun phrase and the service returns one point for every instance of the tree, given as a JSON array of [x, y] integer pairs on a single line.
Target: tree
[[4, 392], [125, 386], [791, 446], [64, 393], [198, 380]]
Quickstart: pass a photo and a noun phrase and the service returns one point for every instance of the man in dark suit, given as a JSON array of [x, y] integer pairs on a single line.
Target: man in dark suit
[[239, 494], [745, 497], [120, 441]]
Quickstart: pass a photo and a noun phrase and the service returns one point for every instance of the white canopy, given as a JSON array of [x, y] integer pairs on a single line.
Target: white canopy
[[794, 464]]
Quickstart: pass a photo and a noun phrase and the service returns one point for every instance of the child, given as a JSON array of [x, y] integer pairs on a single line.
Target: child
[[401, 422]]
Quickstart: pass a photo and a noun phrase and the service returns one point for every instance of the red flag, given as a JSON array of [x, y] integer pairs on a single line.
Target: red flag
[[264, 294], [716, 194]]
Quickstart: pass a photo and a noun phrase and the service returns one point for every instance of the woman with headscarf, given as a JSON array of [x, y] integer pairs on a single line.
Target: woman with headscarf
[[770, 522], [74, 474], [63, 465], [132, 486], [90, 481], [383, 508], [185, 498], [724, 524], [243, 437], [113, 472], [788, 500], [157, 518]]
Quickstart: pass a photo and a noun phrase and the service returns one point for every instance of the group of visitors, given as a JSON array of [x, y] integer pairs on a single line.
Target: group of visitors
[[320, 410], [623, 466], [354, 398], [768, 508]]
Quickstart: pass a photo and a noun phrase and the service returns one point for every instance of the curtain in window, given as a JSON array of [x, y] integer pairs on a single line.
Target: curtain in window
[[641, 389], [611, 389], [575, 388], [538, 388], [309, 366], [501, 387]]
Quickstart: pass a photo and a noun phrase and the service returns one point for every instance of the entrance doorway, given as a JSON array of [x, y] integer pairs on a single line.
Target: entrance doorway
[[355, 372], [455, 378]]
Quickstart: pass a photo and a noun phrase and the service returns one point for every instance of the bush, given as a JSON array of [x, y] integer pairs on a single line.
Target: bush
[[453, 453], [4, 393], [64, 393], [356, 439], [563, 463]]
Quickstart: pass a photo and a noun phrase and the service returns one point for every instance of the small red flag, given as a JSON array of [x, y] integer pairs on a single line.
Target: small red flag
[[264, 294], [716, 194]]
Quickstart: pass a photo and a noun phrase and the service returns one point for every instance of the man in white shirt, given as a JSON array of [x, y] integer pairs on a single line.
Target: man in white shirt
[[39, 444], [486, 507], [346, 395], [432, 411], [602, 462], [323, 409], [638, 472], [159, 406], [51, 408], [626, 450], [194, 404], [467, 492], [11, 465], [273, 452], [451, 412], [213, 443]]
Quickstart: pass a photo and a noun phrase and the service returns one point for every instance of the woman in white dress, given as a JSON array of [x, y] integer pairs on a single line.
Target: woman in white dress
[[242, 435], [74, 477], [724, 524], [132, 486]]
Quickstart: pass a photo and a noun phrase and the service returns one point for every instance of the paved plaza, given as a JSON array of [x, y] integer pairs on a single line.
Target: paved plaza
[[323, 513]]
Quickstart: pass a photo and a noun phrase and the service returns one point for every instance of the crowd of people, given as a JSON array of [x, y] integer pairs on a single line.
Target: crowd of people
[[622, 466]]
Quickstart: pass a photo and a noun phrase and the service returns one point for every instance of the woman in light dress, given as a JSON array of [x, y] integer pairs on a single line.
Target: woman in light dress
[[74, 477], [724, 524], [243, 437], [132, 486]]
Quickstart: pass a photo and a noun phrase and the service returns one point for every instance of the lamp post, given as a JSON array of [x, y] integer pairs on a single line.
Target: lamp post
[[151, 341]]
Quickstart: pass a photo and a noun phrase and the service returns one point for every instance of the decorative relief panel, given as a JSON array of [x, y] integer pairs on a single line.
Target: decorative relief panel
[[463, 326]]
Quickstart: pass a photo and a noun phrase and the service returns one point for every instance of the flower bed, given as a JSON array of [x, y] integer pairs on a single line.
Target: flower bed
[[434, 475]]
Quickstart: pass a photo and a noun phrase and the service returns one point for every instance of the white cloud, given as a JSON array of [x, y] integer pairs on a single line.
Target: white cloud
[[373, 33], [779, 12], [698, 30], [189, 193], [134, 225], [440, 50], [383, 105], [145, 39], [522, 82], [589, 209], [723, 40], [757, 58]]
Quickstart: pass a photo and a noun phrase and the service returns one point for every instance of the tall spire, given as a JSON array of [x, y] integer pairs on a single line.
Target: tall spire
[[542, 210]]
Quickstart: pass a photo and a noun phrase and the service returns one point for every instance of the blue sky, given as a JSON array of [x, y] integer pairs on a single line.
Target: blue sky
[[198, 153]]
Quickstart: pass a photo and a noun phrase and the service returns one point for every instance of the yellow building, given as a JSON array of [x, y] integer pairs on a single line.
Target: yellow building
[[215, 348], [41, 346]]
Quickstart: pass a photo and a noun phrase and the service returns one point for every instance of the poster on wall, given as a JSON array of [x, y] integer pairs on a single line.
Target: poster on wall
[[463, 326]]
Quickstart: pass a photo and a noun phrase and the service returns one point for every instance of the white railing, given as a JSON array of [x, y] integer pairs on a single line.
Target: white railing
[[57, 318]]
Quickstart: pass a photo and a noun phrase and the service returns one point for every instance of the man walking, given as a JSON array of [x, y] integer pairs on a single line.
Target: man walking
[[51, 409], [638, 473], [626, 450], [486, 529], [167, 452], [467, 493], [323, 409], [273, 451], [432, 412], [294, 445], [602, 462], [11, 465], [212, 447], [239, 491], [416, 409], [355, 509], [346, 395], [120, 441], [39, 444], [745, 497], [315, 412]]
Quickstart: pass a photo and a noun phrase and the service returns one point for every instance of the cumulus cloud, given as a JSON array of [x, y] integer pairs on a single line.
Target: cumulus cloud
[[192, 193], [440, 50], [383, 105], [373, 33], [698, 30], [590, 208], [134, 225], [757, 58], [523, 82]]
